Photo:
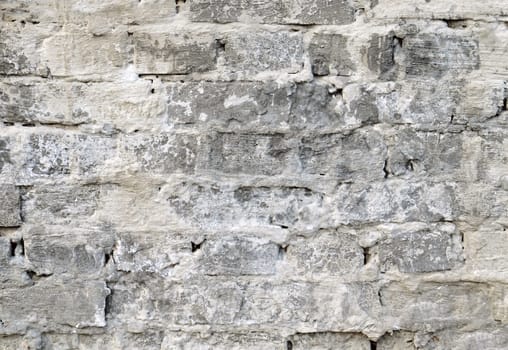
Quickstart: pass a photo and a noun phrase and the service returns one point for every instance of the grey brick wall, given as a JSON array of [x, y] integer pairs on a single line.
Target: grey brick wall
[[240, 174]]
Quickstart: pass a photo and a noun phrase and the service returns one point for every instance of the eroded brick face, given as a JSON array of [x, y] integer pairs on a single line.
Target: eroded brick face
[[240, 174]]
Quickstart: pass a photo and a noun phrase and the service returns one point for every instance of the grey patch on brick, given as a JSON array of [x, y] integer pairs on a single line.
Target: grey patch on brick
[[432, 56], [329, 55], [9, 206], [419, 251], [235, 256]]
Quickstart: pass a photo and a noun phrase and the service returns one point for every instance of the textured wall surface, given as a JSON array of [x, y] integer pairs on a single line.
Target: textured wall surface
[[253, 174]]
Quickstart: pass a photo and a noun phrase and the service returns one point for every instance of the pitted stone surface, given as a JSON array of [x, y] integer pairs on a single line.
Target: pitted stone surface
[[253, 174]]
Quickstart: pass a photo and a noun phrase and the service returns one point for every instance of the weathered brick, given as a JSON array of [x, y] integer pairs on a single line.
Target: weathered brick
[[106, 107], [167, 53], [263, 52], [80, 54], [150, 252], [327, 253], [55, 249], [163, 153], [279, 11], [53, 304], [329, 55], [360, 155], [19, 49], [417, 249], [10, 206], [238, 256], [263, 154], [323, 340], [222, 341], [252, 106], [214, 206], [435, 55], [62, 154], [434, 306], [236, 303], [394, 201], [97, 17]]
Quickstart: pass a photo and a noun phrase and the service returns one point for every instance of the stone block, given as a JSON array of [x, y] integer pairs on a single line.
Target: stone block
[[52, 304], [279, 11], [101, 107], [82, 55], [163, 153], [263, 52], [327, 253], [69, 250], [213, 206], [355, 157], [329, 55], [436, 55], [414, 249], [168, 53], [10, 206], [397, 201], [238, 255], [329, 340], [434, 306], [260, 154]]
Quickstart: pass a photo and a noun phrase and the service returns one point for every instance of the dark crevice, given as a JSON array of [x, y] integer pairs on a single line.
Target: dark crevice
[[12, 248], [289, 345], [220, 48], [178, 3], [366, 256], [196, 246], [456, 23], [34, 276], [373, 345], [108, 303], [385, 169], [282, 251], [380, 297]]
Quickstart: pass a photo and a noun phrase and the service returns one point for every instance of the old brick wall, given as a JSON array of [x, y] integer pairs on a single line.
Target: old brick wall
[[253, 174]]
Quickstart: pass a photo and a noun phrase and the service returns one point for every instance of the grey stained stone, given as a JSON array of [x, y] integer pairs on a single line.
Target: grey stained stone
[[10, 206], [329, 55], [278, 11], [433, 55]]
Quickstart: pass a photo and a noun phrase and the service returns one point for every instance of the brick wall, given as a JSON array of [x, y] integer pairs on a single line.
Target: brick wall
[[235, 174]]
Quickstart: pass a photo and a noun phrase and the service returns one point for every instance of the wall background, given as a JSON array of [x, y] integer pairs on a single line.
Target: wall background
[[253, 174]]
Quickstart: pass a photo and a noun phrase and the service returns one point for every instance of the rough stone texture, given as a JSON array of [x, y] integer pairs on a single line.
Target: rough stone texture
[[235, 174]]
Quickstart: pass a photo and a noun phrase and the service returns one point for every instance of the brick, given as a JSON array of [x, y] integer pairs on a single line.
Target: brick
[[106, 107], [434, 306], [80, 54], [150, 252], [263, 154], [93, 15], [427, 154], [279, 11], [68, 250], [252, 106], [434, 55], [322, 340], [62, 154], [214, 206], [327, 253], [415, 250], [167, 53], [359, 156], [236, 304], [232, 256], [396, 201], [484, 248], [222, 340], [19, 50], [263, 52], [10, 206], [329, 55], [164, 153], [53, 304]]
